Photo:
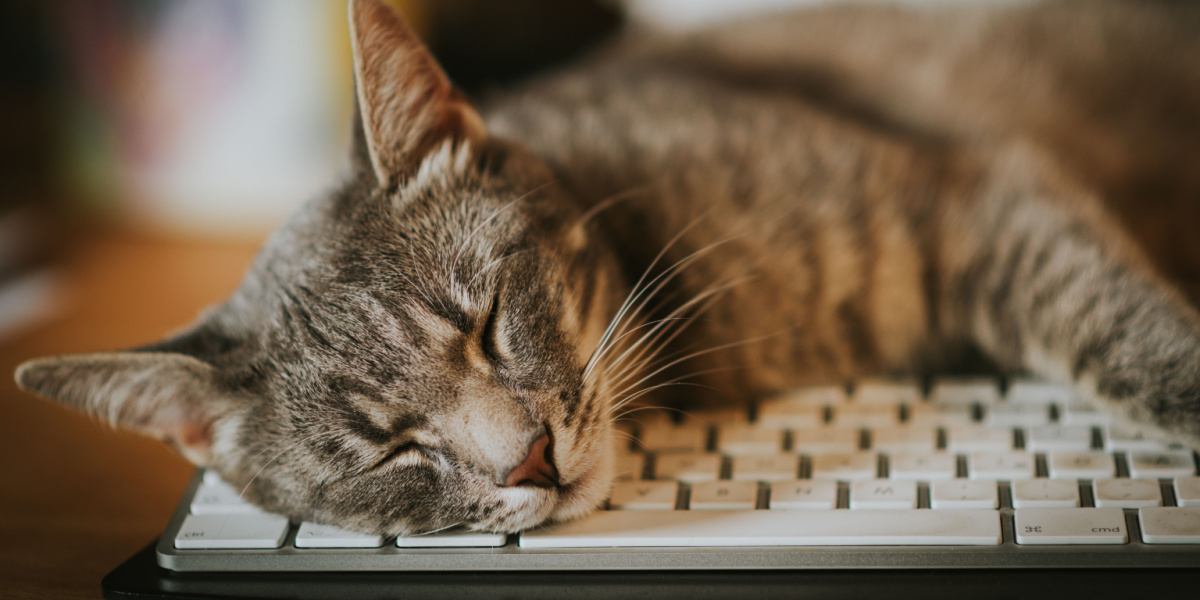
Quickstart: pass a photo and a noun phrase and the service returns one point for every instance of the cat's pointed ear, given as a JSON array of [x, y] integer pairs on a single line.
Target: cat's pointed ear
[[169, 396], [406, 103]]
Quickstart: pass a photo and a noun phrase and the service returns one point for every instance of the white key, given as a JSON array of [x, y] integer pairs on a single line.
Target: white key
[[848, 466], [964, 392], [1126, 493], [1081, 465], [883, 493], [924, 466], [816, 395], [688, 466], [887, 393], [260, 530], [1045, 493], [724, 495], [904, 439], [931, 415], [975, 438], [1119, 439], [1058, 437], [643, 495], [674, 439], [456, 538], [825, 439], [1170, 525], [211, 476], [1016, 415], [735, 440], [804, 494], [1071, 526], [866, 415], [780, 415], [630, 466], [1001, 465], [1165, 464], [717, 416], [772, 528], [1187, 491], [1081, 412], [766, 467], [220, 498], [312, 535], [963, 493], [1042, 393]]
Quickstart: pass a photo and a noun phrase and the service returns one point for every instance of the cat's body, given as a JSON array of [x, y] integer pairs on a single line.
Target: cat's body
[[444, 340]]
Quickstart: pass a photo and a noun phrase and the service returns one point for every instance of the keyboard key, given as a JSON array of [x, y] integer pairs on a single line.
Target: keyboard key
[[804, 494], [1165, 464], [1071, 526], [886, 393], [733, 415], [925, 414], [904, 439], [926, 466], [1058, 437], [1041, 393], [1045, 493], [724, 495], [674, 439], [883, 493], [312, 535], [815, 395], [456, 538], [1016, 415], [771, 528], [219, 498], [735, 440], [825, 439], [866, 415], [1187, 491], [1081, 465], [766, 467], [1170, 525], [688, 466], [1126, 493], [845, 466], [643, 495], [1119, 439], [630, 466], [777, 415], [1081, 412], [976, 438], [226, 531], [1001, 465], [964, 392], [963, 493]]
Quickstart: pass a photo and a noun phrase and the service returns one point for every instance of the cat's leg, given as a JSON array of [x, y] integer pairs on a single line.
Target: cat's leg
[[1039, 276]]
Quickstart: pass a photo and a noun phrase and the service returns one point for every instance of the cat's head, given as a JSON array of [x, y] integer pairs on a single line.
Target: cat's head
[[407, 353]]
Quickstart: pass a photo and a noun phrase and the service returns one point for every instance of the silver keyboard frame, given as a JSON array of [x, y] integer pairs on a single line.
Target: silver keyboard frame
[[1008, 555]]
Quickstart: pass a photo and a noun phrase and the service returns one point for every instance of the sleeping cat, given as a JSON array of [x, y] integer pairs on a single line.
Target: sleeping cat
[[447, 338]]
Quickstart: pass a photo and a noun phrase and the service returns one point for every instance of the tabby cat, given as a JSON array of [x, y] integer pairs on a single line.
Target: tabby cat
[[447, 338]]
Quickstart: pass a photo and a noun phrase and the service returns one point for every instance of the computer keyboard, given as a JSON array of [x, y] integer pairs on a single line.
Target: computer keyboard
[[962, 473]]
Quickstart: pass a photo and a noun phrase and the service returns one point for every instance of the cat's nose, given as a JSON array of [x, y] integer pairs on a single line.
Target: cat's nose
[[538, 467]]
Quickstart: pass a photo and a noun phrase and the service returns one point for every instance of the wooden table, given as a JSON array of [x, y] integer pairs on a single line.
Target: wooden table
[[77, 498]]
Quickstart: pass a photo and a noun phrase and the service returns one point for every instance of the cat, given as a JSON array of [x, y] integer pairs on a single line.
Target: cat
[[448, 337]]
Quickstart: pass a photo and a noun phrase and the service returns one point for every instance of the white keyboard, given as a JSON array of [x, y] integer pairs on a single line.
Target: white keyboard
[[881, 475]]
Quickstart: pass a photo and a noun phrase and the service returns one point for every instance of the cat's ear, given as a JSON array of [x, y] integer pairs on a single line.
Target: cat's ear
[[406, 104], [170, 396]]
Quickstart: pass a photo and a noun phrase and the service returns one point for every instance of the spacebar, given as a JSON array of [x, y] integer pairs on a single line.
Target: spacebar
[[611, 529]]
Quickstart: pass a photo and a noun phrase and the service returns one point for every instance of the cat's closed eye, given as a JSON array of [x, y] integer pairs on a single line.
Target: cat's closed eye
[[488, 340], [407, 450]]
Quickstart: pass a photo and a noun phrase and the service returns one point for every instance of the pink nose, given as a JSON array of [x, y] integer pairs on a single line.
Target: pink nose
[[538, 467]]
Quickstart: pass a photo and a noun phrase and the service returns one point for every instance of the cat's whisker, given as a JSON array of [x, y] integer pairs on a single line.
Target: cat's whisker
[[433, 531], [635, 291], [610, 202]]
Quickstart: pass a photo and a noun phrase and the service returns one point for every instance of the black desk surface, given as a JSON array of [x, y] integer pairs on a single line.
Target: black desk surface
[[141, 578]]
